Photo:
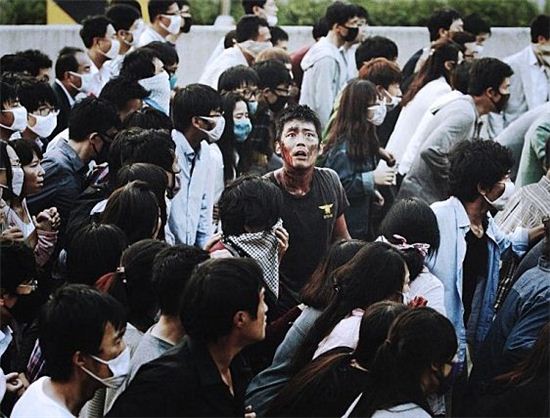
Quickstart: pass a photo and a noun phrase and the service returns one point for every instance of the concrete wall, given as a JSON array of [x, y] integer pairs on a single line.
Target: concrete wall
[[195, 48]]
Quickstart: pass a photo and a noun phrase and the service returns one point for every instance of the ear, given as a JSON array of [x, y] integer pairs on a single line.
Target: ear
[[196, 122], [120, 33], [278, 147], [448, 66], [78, 359], [240, 319], [443, 33], [481, 190]]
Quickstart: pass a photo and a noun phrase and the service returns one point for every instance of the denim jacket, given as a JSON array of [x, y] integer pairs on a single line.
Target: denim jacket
[[446, 264]]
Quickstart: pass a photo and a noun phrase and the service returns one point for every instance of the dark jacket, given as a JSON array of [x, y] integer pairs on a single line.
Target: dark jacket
[[64, 110]]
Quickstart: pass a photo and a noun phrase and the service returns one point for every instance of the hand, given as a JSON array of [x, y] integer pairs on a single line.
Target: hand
[[384, 176], [25, 384], [13, 383], [387, 156], [282, 238], [47, 220], [13, 233], [214, 239], [378, 198], [249, 413]]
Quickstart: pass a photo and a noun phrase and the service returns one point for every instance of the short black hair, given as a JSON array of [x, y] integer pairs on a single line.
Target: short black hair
[[193, 100], [540, 26], [66, 61], [460, 77], [122, 16], [17, 265], [38, 59], [278, 34], [248, 27], [138, 64], [8, 93], [441, 19], [74, 319], [248, 5], [476, 163], [92, 115], [339, 13], [93, 250], [94, 27], [271, 74], [132, 3], [25, 150], [217, 290], [486, 73], [476, 25], [33, 94], [172, 269], [229, 39], [375, 47], [148, 118], [158, 7], [361, 12], [164, 51], [250, 201], [320, 28], [302, 113], [237, 76], [13, 63], [120, 90]]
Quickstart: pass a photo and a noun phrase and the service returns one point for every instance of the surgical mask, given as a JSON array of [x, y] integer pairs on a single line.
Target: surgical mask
[[136, 33], [393, 103], [501, 103], [543, 53], [44, 125], [187, 23], [501, 202], [216, 132], [17, 180], [86, 81], [252, 107], [279, 104], [113, 51], [119, 366], [352, 34], [2, 385], [479, 49], [175, 24], [173, 81], [241, 129], [255, 47], [378, 114], [159, 90], [272, 20], [19, 119]]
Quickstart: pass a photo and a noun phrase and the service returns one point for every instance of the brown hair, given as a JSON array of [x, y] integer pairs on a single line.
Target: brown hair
[[381, 71]]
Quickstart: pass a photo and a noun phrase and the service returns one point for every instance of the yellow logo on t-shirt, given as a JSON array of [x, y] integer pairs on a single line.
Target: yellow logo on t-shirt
[[327, 210]]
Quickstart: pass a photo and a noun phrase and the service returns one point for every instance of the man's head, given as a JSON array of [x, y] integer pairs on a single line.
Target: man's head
[[165, 15], [274, 84], [363, 23], [279, 38], [127, 95], [80, 330], [343, 21], [241, 80], [298, 137], [490, 83], [442, 22], [94, 123], [251, 28], [375, 47], [39, 99], [320, 29], [197, 110], [224, 298], [13, 116], [72, 68], [540, 30], [479, 170], [385, 75], [18, 274], [99, 36], [41, 64], [172, 269], [478, 27], [167, 53], [266, 9], [127, 23]]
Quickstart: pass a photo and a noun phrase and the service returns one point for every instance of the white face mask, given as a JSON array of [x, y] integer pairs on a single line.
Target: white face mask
[[113, 51], [501, 202], [175, 24], [394, 101], [119, 366], [2, 385], [255, 47], [377, 114], [159, 90], [17, 180], [19, 119], [216, 132], [136, 33], [272, 20], [85, 81], [44, 125]]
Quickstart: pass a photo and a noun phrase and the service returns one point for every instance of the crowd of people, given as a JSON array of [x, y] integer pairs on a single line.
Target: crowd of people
[[315, 233]]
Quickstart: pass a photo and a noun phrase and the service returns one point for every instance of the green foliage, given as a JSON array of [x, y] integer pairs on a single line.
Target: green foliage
[[22, 12], [204, 11]]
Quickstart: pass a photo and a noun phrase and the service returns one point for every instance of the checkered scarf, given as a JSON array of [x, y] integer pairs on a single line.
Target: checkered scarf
[[262, 247]]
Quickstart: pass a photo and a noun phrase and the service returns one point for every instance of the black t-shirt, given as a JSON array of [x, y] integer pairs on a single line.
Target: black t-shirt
[[310, 221], [474, 269]]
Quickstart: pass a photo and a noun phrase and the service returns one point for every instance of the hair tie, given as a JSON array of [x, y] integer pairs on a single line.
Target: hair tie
[[402, 244], [121, 273]]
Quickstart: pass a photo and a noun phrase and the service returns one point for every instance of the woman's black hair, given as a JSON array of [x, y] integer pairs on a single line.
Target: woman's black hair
[[375, 273], [319, 291], [17, 265], [138, 64], [26, 150], [147, 118], [418, 339], [5, 163], [135, 209], [414, 220]]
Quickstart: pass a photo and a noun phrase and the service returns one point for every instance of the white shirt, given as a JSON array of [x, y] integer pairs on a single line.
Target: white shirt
[[150, 35], [344, 334], [430, 288], [101, 76], [230, 57], [540, 81], [35, 403]]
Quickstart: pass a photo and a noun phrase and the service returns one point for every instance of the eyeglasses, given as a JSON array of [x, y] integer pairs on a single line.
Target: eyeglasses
[[282, 92], [45, 111], [246, 93]]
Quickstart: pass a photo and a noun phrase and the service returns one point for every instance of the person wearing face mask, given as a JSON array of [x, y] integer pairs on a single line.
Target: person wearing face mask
[[92, 126], [252, 37], [324, 65], [198, 122], [81, 359], [100, 39], [455, 121], [350, 47], [242, 81], [165, 21], [166, 52], [530, 83], [13, 116], [471, 246], [129, 26], [353, 151]]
